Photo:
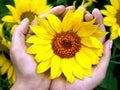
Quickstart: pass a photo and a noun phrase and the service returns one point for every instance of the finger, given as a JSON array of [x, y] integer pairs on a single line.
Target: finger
[[18, 38], [99, 20], [70, 7], [66, 9], [104, 62], [88, 17], [58, 10], [82, 7], [58, 84]]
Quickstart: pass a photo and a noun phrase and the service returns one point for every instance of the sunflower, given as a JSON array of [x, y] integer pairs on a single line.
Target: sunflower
[[112, 18], [6, 66], [5, 35], [25, 8], [68, 47]]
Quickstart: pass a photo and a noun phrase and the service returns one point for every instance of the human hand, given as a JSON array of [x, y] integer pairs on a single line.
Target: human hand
[[99, 71], [24, 64]]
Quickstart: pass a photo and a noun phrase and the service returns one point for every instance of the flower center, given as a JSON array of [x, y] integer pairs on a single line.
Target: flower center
[[66, 44], [29, 15], [118, 17]]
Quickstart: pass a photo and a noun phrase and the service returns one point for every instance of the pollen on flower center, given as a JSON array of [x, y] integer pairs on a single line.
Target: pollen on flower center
[[29, 15], [66, 44], [118, 17]]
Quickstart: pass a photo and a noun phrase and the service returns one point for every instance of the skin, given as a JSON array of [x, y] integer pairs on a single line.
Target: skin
[[25, 66], [98, 72]]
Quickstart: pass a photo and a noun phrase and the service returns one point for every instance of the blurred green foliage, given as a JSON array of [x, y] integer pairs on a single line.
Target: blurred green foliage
[[113, 73], [4, 84], [3, 8]]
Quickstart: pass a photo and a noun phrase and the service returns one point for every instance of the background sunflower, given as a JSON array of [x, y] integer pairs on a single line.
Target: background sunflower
[[112, 79]]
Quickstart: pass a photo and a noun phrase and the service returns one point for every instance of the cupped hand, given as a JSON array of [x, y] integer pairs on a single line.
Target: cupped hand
[[99, 71], [24, 64]]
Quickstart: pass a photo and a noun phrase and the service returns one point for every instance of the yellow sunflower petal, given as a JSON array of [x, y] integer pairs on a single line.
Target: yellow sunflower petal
[[83, 60], [6, 43], [67, 21], [109, 21], [42, 56], [99, 34], [115, 3], [11, 9], [77, 27], [35, 3], [111, 9], [55, 67], [114, 35], [119, 31], [14, 77], [78, 14], [65, 66], [43, 22], [1, 34], [13, 28], [114, 31], [87, 72], [41, 32], [114, 27], [10, 72], [87, 31], [98, 51], [43, 66], [105, 12], [41, 10], [14, 13], [54, 22], [25, 7], [5, 67], [34, 49], [35, 39], [91, 42], [92, 55], [8, 18], [77, 69], [2, 60]]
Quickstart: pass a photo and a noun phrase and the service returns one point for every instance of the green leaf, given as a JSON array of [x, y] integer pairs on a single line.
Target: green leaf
[[52, 2], [6, 30], [61, 2], [78, 3], [100, 88], [117, 43]]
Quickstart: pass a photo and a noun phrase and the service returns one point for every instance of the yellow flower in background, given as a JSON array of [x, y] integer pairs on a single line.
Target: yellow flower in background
[[88, 3], [112, 18], [5, 36], [1, 34], [70, 46], [25, 8], [6, 67], [85, 3]]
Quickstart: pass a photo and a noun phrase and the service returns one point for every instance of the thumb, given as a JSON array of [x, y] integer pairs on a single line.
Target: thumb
[[104, 62], [18, 38]]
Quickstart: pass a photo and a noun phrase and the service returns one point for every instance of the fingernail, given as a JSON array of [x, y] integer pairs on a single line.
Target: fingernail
[[110, 44], [24, 20]]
